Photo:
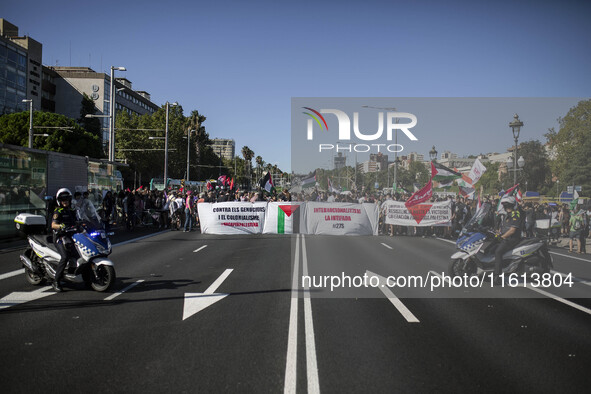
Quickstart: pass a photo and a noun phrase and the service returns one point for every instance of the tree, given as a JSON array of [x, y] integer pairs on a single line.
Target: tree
[[536, 171], [572, 144], [490, 179], [248, 154], [92, 125], [14, 129]]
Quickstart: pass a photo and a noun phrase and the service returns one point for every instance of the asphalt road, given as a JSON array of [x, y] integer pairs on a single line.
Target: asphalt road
[[259, 330]]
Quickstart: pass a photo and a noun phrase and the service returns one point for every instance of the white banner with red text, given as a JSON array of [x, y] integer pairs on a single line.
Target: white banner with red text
[[420, 215], [232, 217], [341, 218]]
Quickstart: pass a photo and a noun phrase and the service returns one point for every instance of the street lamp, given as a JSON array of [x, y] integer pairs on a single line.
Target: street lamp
[[433, 154], [520, 163], [112, 113], [166, 144], [516, 127], [30, 101], [395, 143]]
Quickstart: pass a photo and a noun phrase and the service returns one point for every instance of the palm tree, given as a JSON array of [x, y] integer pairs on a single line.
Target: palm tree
[[259, 161], [248, 154]]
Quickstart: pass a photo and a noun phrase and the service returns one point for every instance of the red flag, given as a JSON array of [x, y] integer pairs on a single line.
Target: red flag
[[422, 195], [232, 184], [425, 193]]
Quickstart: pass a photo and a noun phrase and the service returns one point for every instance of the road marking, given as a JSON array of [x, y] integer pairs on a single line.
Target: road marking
[[21, 297], [117, 294], [572, 257], [445, 240], [404, 311], [139, 238], [574, 278], [311, 361], [560, 299], [292, 337], [11, 274], [22, 271], [197, 250], [388, 246], [196, 302]]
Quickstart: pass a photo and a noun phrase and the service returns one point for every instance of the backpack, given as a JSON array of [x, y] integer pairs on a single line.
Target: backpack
[[578, 225]]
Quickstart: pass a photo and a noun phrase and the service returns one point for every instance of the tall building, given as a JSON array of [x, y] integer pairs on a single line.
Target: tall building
[[73, 82], [340, 161], [224, 147], [448, 155], [380, 158], [20, 69]]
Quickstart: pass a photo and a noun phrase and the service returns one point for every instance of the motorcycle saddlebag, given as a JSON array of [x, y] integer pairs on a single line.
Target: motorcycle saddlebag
[[29, 224]]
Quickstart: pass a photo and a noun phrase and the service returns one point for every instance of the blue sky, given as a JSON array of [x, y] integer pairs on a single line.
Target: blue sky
[[240, 63]]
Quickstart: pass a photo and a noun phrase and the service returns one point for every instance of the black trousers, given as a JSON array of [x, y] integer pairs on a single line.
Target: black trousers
[[504, 246], [65, 256]]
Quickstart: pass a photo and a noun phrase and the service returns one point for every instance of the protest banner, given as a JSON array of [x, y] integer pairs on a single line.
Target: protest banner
[[232, 217], [341, 218], [420, 215], [285, 218]]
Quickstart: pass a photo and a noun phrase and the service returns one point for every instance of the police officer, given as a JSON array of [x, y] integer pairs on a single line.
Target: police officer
[[64, 217], [510, 231]]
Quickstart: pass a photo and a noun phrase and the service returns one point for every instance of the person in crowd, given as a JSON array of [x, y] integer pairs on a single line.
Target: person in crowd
[[576, 226], [188, 212]]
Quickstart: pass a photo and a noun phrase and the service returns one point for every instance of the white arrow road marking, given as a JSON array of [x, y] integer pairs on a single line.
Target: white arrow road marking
[[117, 294], [20, 297], [196, 302], [404, 311], [11, 274], [197, 250]]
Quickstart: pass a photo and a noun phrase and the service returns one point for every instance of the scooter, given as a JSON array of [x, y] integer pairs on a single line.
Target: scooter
[[476, 256], [89, 248]]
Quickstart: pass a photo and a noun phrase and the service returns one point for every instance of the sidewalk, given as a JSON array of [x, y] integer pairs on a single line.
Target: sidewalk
[[120, 235]]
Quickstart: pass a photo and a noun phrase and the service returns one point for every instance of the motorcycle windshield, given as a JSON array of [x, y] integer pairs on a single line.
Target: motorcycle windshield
[[480, 217]]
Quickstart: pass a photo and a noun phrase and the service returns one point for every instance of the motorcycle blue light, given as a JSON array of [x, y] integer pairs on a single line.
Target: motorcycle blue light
[[95, 234]]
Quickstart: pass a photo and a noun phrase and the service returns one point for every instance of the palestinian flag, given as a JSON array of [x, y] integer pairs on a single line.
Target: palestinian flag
[[288, 219], [267, 182], [441, 173], [309, 181]]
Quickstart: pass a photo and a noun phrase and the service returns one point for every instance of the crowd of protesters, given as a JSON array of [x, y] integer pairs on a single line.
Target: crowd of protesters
[[178, 209]]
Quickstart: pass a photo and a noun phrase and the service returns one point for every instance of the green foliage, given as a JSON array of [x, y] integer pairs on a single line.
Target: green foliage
[[92, 125], [573, 147], [490, 179], [536, 171], [14, 130]]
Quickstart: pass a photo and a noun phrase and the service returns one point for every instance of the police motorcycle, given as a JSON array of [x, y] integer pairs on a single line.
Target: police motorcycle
[[476, 254], [90, 247]]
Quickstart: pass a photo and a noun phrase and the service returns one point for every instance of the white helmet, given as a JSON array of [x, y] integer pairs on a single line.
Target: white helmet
[[508, 200], [63, 194]]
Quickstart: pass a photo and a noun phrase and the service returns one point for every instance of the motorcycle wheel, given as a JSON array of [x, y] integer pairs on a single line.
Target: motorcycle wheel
[[33, 278], [458, 268], [105, 277]]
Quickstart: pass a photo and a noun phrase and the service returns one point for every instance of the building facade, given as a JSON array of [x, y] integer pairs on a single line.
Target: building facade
[[20, 70], [223, 147], [71, 83]]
